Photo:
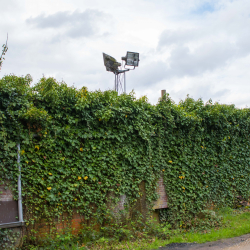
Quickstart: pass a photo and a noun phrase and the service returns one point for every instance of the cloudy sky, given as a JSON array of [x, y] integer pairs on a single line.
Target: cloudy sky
[[195, 47]]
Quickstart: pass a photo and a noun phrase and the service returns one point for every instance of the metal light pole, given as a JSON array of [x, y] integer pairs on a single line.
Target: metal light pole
[[131, 59]]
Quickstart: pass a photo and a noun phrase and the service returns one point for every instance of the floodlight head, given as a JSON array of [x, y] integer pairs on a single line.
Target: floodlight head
[[131, 59], [110, 63]]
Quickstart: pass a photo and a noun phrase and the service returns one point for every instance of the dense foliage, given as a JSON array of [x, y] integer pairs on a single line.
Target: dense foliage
[[81, 148]]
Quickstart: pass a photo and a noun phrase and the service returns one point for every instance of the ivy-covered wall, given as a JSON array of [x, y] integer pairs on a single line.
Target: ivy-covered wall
[[81, 149]]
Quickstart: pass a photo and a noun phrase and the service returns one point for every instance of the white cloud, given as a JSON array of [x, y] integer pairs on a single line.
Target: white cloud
[[76, 24], [196, 47]]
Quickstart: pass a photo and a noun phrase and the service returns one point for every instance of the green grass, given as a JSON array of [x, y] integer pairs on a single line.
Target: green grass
[[237, 224]]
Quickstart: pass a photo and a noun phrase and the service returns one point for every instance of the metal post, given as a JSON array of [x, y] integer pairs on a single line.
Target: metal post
[[124, 83], [116, 82], [20, 206]]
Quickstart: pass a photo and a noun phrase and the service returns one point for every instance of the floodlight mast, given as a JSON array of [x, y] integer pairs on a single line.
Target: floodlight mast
[[131, 59]]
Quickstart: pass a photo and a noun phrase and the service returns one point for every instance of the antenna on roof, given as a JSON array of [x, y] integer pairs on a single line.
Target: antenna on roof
[[131, 59]]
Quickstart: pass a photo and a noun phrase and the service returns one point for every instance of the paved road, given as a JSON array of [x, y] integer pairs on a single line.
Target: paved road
[[245, 245], [236, 243]]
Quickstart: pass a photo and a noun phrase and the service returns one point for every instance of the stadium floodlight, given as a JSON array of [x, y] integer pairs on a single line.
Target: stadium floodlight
[[110, 63], [131, 59]]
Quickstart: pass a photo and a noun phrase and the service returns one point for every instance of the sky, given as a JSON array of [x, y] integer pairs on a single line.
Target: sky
[[198, 48]]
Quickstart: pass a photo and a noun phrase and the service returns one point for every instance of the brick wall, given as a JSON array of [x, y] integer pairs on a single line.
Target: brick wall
[[43, 228], [77, 222], [162, 201]]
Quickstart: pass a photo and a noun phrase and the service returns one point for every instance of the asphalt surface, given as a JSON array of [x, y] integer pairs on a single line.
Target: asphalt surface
[[236, 243]]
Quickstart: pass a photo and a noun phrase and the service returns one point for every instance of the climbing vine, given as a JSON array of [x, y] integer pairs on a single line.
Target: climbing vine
[[4, 50], [8, 238], [81, 148]]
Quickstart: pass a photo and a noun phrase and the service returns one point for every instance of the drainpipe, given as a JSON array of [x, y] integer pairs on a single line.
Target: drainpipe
[[20, 206]]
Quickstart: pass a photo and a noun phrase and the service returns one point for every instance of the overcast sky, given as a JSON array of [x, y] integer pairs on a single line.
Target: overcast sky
[[195, 47]]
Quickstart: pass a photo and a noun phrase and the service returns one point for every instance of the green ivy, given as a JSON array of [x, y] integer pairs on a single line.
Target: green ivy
[[8, 238], [79, 148]]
